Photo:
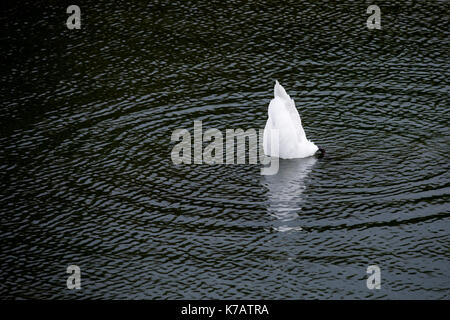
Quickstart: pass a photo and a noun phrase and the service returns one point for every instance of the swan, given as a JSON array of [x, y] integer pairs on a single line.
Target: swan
[[284, 117]]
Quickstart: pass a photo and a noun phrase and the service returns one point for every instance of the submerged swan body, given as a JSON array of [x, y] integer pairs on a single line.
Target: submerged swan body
[[285, 120]]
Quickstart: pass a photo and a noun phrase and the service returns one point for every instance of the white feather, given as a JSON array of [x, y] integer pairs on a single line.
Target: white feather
[[284, 117]]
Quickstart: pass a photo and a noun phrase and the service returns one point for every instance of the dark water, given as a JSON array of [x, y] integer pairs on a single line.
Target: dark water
[[87, 178]]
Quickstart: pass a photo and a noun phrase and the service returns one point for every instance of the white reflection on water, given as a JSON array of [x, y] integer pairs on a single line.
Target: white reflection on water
[[285, 191]]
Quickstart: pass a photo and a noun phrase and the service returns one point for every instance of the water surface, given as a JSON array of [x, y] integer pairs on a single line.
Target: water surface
[[87, 178]]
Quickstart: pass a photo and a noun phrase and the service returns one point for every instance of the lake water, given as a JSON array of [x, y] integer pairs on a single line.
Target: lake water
[[85, 150]]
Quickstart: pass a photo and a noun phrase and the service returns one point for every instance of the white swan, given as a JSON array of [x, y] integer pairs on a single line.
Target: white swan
[[284, 117]]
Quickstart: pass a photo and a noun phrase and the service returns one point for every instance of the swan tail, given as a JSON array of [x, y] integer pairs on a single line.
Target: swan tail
[[279, 92], [289, 103]]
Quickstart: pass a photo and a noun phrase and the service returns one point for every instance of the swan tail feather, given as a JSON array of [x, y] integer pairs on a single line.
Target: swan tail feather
[[279, 92]]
